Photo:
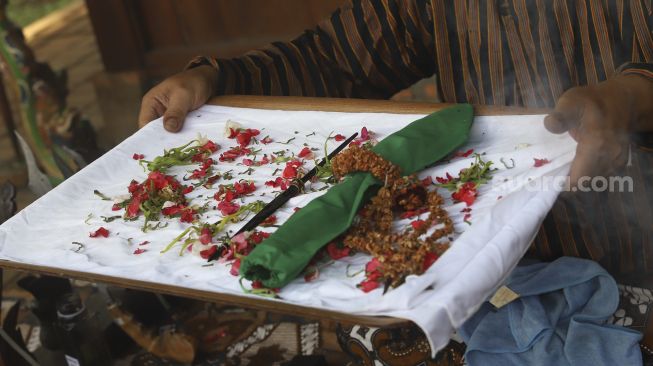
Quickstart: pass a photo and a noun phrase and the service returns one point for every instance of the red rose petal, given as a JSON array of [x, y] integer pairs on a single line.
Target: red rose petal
[[418, 224], [540, 162], [256, 237], [335, 252], [466, 193], [206, 236], [187, 215], [368, 285], [208, 253], [429, 259], [134, 207], [365, 135], [235, 268], [227, 207], [464, 154], [210, 146], [99, 232], [311, 274], [306, 151], [372, 265], [411, 214], [271, 220]]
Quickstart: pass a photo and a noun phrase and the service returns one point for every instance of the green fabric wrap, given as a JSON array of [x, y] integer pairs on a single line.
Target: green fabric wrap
[[280, 258]]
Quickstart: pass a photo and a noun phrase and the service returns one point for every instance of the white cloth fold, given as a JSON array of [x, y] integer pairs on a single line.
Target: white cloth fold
[[505, 217]]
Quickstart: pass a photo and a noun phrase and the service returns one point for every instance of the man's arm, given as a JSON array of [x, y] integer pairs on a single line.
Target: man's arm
[[366, 49]]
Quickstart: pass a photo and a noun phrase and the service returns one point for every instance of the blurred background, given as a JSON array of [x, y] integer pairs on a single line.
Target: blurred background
[[113, 51]]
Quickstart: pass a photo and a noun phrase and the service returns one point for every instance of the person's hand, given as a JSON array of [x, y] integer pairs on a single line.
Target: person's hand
[[177, 95], [601, 119]]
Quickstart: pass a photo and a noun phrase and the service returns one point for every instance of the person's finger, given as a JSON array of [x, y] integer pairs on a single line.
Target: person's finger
[[585, 165], [590, 158], [597, 156], [149, 110], [178, 107], [567, 113]]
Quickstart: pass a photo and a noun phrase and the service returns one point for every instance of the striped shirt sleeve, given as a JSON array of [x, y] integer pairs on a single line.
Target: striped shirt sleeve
[[365, 49], [633, 68]]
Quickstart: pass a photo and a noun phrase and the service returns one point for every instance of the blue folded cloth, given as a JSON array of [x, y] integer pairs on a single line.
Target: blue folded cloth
[[559, 319]]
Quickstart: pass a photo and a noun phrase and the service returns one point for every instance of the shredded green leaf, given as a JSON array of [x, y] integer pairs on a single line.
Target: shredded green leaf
[[80, 248], [101, 195], [110, 218], [252, 207], [159, 225], [288, 142], [479, 172], [265, 292], [325, 172], [175, 240], [177, 156], [506, 165], [350, 275]]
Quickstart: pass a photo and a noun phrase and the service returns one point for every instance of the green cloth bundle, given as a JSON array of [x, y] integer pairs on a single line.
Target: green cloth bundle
[[281, 257]]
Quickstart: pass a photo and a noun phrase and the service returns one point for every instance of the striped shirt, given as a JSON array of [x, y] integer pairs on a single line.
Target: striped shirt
[[502, 52]]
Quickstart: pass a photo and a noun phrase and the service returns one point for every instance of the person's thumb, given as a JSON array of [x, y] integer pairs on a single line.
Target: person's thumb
[[567, 113], [178, 107]]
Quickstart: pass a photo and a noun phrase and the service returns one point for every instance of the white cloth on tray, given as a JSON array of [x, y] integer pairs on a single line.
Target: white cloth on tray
[[505, 217]]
